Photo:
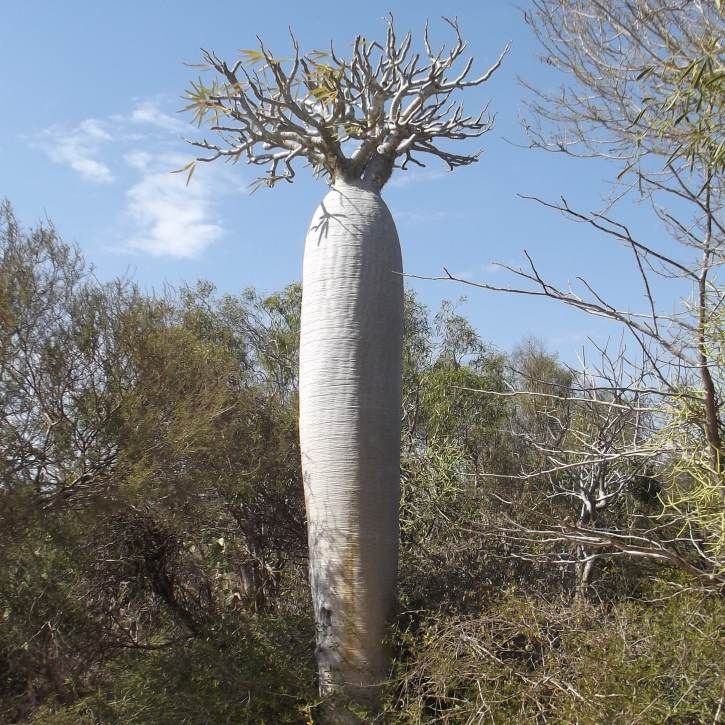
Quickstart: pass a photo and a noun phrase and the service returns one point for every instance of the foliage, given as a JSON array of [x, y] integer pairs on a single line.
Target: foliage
[[150, 479], [693, 495], [243, 671], [641, 86], [642, 79], [153, 558], [524, 661], [689, 104]]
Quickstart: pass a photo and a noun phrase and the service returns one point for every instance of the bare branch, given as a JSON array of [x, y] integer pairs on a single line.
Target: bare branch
[[347, 117]]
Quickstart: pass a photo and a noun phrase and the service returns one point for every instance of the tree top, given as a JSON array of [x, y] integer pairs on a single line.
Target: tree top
[[387, 105]]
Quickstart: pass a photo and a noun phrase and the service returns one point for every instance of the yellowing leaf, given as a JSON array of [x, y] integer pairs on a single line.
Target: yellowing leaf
[[253, 55], [190, 167]]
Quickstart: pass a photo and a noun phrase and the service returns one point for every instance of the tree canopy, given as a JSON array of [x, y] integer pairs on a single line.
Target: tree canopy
[[349, 118]]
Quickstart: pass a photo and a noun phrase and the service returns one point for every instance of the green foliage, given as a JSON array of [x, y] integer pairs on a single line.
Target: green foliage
[[203, 101], [525, 661], [692, 109], [693, 493], [242, 671], [150, 484], [48, 638], [153, 558], [447, 370], [434, 496]]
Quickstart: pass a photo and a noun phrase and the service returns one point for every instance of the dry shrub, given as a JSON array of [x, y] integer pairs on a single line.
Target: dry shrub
[[529, 661]]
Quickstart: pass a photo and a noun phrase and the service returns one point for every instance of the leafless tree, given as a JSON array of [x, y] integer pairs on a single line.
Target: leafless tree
[[351, 118], [625, 66]]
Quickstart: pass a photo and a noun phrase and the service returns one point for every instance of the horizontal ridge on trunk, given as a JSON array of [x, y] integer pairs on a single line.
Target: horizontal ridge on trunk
[[350, 407]]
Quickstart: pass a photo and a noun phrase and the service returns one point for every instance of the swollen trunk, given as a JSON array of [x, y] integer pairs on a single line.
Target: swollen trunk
[[350, 406]]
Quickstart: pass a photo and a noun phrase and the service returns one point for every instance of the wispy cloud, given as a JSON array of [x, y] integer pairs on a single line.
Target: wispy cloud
[[169, 218], [78, 148], [415, 176], [161, 216], [81, 148], [148, 112], [138, 159]]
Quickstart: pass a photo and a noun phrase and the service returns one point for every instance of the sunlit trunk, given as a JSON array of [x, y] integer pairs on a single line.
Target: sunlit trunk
[[350, 408]]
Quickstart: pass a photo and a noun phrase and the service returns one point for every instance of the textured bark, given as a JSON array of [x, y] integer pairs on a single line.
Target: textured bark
[[350, 408]]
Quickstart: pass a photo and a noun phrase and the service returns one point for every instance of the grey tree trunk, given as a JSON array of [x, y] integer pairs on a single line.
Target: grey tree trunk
[[350, 408]]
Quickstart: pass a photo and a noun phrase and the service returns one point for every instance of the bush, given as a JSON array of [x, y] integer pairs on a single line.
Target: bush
[[243, 671], [526, 661]]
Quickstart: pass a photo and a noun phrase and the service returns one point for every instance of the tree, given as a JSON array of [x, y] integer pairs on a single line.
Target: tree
[[150, 496], [448, 407], [634, 65], [645, 80], [642, 84], [450, 434], [573, 432], [352, 120]]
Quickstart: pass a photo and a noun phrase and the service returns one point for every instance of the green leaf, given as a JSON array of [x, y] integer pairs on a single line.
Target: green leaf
[[681, 118], [700, 71], [625, 170], [639, 116], [323, 94]]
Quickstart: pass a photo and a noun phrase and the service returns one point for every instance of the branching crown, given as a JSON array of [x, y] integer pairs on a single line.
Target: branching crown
[[348, 118]]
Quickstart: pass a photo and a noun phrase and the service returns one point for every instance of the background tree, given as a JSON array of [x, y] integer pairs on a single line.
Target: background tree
[[451, 434], [150, 493], [625, 65], [587, 444], [634, 65], [351, 120], [169, 583]]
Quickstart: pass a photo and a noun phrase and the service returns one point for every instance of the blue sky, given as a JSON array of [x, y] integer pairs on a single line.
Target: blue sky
[[90, 132]]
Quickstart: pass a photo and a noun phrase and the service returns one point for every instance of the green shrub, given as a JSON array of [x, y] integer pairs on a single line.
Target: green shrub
[[242, 671], [527, 661]]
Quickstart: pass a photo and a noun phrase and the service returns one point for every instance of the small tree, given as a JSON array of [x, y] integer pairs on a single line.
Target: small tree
[[353, 120]]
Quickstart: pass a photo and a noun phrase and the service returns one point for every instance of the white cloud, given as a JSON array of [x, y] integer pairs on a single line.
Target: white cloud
[[94, 129], [170, 218], [414, 175], [148, 112], [78, 148], [138, 159], [161, 216]]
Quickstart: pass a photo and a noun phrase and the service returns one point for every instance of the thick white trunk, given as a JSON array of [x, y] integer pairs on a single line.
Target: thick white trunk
[[350, 407]]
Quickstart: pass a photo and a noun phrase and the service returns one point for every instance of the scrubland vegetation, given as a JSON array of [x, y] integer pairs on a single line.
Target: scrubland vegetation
[[561, 530], [154, 550]]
